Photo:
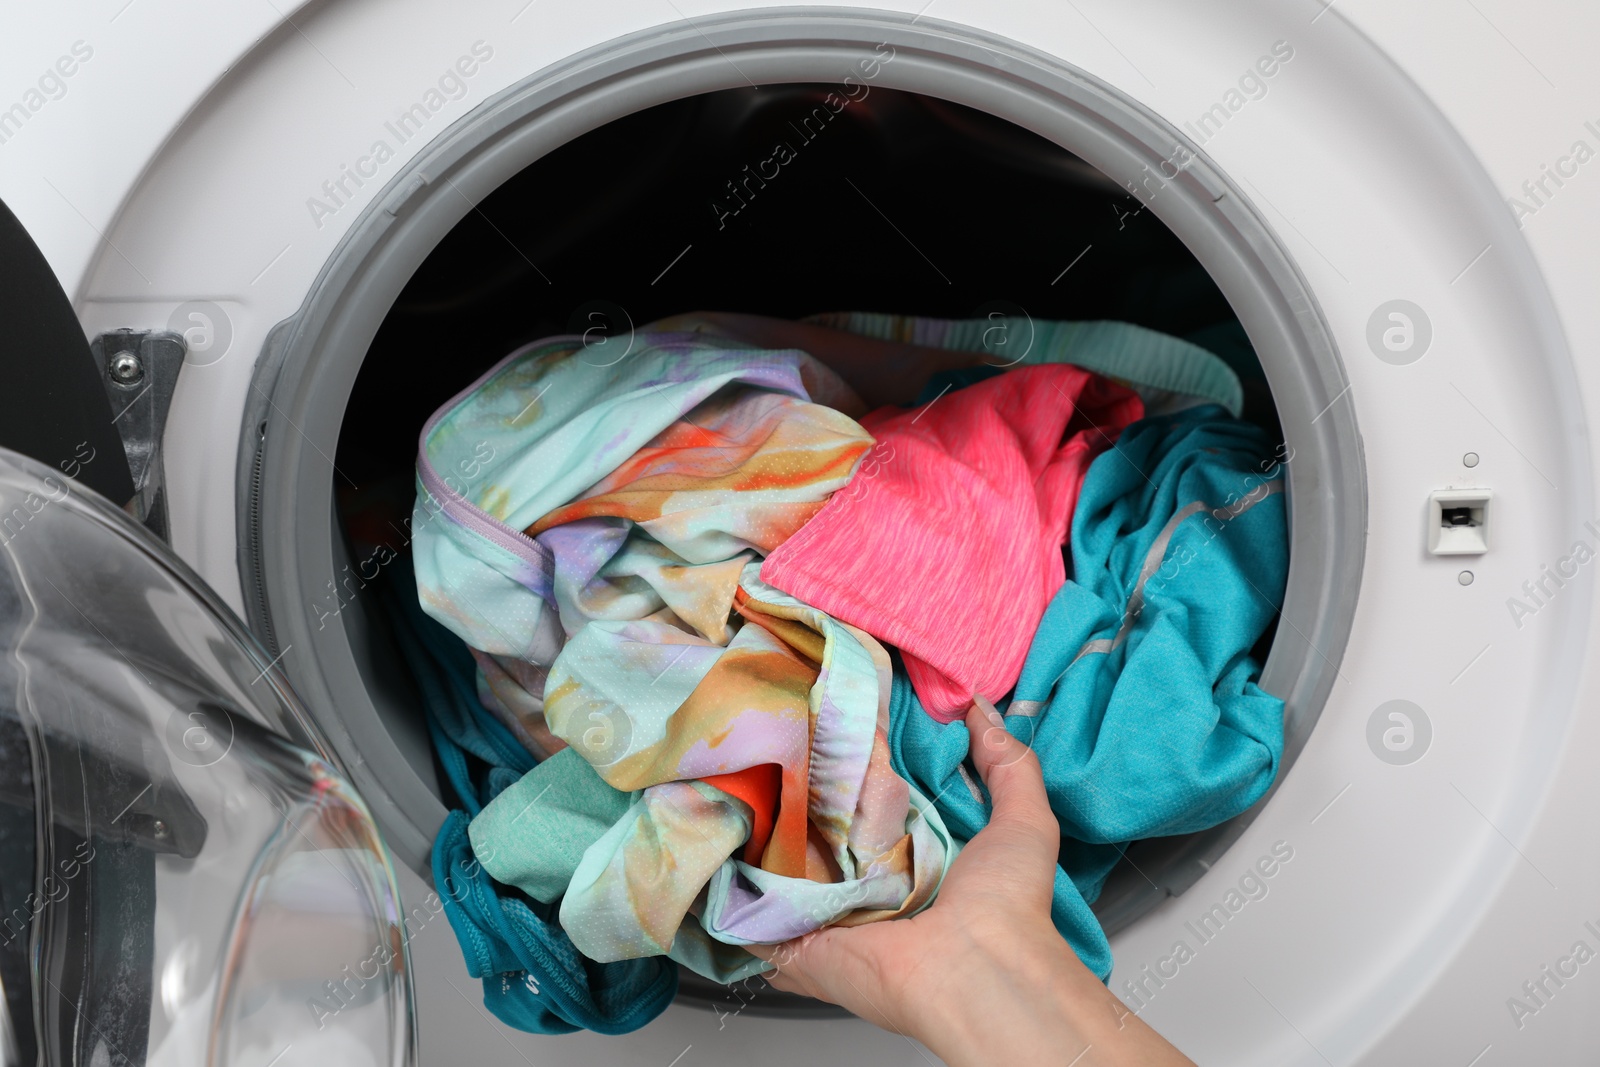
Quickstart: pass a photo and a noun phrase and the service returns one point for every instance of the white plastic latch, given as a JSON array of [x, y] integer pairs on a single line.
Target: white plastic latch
[[1458, 522]]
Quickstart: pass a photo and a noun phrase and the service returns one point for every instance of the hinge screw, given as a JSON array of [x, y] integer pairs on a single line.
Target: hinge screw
[[126, 368]]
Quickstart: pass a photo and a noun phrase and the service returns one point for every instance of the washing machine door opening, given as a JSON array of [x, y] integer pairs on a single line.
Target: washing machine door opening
[[639, 184]]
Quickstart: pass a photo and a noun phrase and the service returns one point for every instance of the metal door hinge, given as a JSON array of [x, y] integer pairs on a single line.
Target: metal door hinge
[[140, 369]]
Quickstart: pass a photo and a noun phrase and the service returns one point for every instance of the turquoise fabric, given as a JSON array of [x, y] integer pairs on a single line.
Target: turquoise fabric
[[1150, 361], [1232, 345], [1139, 692]]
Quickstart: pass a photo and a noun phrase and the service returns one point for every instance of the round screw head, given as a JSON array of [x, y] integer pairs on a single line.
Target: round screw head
[[1470, 459], [125, 368], [1465, 577]]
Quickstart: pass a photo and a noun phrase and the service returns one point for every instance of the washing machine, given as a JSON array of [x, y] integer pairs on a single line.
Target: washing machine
[[248, 249]]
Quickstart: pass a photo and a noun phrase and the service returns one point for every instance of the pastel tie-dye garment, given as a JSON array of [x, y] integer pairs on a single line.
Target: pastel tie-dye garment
[[643, 494], [793, 687], [552, 420]]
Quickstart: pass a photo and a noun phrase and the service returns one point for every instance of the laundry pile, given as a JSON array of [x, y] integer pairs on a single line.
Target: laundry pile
[[696, 628]]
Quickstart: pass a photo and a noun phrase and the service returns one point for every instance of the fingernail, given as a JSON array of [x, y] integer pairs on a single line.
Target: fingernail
[[988, 710]]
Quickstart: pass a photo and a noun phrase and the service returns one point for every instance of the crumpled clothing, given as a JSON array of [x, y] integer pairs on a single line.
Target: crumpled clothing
[[655, 492], [533, 977], [947, 545], [666, 534], [1180, 560], [534, 834], [1139, 694], [673, 526], [513, 691], [648, 560]]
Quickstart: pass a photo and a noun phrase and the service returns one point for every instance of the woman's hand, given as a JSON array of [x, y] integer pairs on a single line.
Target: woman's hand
[[981, 976]]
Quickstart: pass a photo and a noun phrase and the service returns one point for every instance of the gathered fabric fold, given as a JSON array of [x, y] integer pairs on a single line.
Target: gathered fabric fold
[[545, 425]]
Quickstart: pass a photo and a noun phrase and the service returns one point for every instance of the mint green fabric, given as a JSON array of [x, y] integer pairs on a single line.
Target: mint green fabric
[[534, 834], [1142, 358]]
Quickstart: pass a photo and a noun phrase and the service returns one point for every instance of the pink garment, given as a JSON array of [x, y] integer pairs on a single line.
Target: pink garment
[[947, 542]]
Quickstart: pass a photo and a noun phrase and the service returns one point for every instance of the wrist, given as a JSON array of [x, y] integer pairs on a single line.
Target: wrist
[[1030, 1000], [1021, 993]]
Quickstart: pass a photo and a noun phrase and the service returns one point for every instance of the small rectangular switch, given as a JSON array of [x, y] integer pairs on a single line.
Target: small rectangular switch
[[1458, 522]]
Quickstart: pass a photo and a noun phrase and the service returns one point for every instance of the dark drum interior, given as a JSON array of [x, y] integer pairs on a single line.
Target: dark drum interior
[[896, 203]]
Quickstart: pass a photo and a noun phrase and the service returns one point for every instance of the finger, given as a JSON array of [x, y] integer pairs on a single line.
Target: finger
[[1009, 768], [783, 983], [789, 974], [780, 956]]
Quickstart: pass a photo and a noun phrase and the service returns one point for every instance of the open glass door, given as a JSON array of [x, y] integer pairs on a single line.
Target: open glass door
[[186, 876]]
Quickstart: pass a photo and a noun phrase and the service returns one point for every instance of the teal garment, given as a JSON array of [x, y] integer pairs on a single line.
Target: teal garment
[[1139, 692], [1152, 363], [533, 977], [947, 381], [1180, 555], [479, 754], [1229, 341]]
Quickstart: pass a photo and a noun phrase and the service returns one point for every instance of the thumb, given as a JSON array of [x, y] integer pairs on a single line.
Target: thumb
[[1010, 769]]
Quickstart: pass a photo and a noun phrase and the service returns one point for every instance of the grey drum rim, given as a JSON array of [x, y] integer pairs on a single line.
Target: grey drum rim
[[290, 548]]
